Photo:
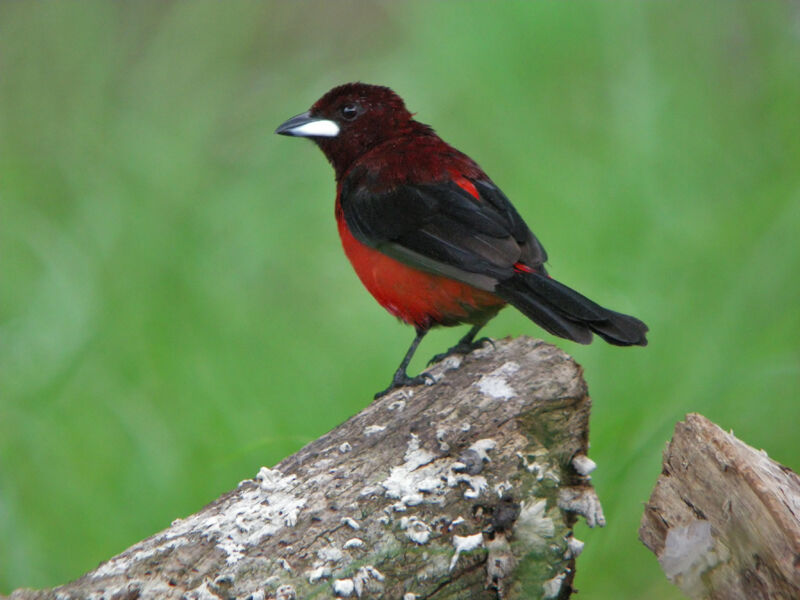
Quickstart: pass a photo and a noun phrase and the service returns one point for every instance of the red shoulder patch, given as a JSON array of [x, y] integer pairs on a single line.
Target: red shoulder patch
[[465, 184]]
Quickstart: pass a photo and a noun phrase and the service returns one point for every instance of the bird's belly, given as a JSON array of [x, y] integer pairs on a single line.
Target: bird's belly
[[418, 298]]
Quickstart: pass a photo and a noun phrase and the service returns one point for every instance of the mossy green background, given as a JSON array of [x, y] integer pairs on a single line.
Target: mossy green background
[[175, 307]]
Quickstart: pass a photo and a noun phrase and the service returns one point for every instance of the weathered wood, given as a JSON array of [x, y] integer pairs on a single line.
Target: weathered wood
[[464, 489], [724, 519]]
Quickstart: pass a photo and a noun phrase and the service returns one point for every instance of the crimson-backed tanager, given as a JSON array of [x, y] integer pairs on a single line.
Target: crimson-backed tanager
[[432, 238]]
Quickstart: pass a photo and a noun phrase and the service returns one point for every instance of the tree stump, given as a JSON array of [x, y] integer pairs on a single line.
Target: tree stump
[[467, 488], [724, 519]]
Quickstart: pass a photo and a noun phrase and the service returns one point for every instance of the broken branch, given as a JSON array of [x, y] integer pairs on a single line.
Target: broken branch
[[724, 519], [468, 488]]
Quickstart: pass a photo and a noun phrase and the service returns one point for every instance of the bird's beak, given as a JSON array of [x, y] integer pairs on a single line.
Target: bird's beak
[[305, 125]]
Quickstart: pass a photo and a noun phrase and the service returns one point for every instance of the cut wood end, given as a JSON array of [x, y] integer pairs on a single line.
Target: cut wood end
[[724, 518]]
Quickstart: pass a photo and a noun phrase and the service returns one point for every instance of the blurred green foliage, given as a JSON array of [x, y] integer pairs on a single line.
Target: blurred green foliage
[[175, 308]]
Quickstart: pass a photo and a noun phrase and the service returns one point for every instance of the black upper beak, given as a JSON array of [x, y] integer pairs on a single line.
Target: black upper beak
[[287, 127]]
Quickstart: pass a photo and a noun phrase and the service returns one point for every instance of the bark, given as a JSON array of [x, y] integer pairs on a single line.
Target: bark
[[467, 488], [724, 519]]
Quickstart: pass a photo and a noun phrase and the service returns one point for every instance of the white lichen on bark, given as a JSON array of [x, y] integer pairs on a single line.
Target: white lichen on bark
[[452, 488]]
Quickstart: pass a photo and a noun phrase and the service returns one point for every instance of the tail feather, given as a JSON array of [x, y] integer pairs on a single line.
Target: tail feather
[[564, 312]]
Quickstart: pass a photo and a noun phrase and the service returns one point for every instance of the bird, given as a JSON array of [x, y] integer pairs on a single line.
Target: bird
[[431, 236]]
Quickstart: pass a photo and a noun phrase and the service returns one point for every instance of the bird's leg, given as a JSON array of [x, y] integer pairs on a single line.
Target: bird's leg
[[401, 378], [466, 344]]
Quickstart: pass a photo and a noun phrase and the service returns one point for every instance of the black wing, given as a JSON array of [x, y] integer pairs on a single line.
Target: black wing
[[443, 229]]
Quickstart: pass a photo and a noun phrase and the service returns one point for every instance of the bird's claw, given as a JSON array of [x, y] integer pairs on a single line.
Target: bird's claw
[[404, 380], [462, 348], [479, 343]]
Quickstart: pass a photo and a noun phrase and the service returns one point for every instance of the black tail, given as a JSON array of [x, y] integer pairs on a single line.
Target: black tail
[[564, 312]]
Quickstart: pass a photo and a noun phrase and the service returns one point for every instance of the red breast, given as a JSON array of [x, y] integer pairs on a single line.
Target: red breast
[[418, 298]]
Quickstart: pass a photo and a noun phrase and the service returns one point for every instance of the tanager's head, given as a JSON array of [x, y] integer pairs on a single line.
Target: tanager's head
[[350, 120]]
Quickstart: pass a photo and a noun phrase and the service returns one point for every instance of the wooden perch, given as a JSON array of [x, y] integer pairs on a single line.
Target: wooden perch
[[724, 519], [464, 489]]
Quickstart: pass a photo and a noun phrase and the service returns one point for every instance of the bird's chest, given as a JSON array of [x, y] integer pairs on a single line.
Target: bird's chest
[[416, 297]]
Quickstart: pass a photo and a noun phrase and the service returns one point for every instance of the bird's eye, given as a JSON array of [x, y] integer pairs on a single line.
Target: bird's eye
[[349, 111]]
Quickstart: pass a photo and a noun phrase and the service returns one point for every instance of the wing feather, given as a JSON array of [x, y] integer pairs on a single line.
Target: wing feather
[[442, 228]]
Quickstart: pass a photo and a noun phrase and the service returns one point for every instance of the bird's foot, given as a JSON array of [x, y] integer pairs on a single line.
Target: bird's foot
[[403, 380], [461, 347]]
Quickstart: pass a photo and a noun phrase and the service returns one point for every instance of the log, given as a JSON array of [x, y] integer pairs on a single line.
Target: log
[[724, 519], [467, 488]]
